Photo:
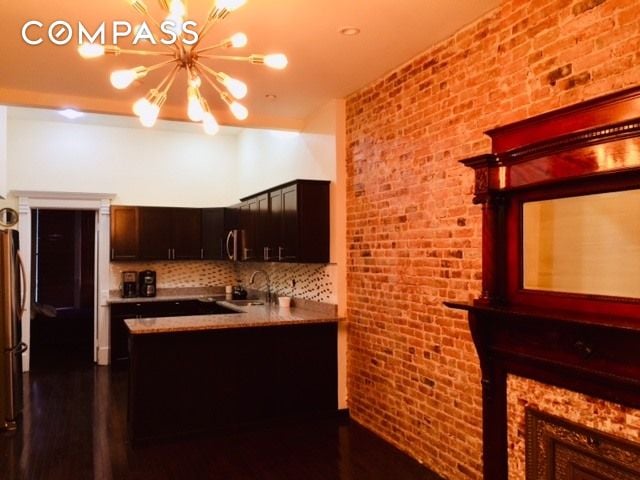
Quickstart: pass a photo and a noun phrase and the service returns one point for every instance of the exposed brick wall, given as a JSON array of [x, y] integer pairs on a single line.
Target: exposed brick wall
[[414, 236]]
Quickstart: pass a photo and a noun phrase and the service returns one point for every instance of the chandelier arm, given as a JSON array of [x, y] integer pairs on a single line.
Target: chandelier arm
[[203, 31], [226, 57], [214, 16], [171, 79], [165, 80], [208, 70], [145, 52], [161, 64], [212, 47], [205, 75], [142, 9]]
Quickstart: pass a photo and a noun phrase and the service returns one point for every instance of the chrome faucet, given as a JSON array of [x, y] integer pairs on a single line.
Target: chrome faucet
[[266, 275]]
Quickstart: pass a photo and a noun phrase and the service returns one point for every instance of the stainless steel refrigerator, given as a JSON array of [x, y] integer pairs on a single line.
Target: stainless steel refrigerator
[[12, 295]]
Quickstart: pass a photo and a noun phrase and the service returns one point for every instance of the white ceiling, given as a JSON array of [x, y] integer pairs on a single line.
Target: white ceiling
[[323, 64]]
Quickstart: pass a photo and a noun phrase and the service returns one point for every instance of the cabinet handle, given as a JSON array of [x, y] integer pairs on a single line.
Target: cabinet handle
[[246, 254], [266, 254], [583, 349], [173, 254], [169, 253], [202, 254]]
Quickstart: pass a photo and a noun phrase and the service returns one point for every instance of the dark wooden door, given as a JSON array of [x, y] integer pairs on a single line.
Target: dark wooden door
[[156, 224], [124, 233], [187, 234]]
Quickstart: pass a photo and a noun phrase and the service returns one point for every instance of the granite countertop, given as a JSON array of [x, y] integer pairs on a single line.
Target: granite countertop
[[247, 316], [171, 294]]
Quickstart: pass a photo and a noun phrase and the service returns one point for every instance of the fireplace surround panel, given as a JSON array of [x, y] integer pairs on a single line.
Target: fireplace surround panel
[[582, 342]]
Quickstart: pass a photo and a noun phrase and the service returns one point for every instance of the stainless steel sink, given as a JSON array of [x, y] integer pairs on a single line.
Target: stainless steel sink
[[246, 303]]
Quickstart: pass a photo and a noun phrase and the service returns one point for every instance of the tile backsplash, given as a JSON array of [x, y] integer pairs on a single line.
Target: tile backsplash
[[178, 274], [312, 281]]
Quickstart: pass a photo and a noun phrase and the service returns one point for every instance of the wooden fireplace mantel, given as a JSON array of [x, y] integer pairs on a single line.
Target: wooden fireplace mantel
[[585, 343]]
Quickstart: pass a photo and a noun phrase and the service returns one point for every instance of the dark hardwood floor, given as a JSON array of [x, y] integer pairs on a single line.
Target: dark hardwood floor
[[74, 427]]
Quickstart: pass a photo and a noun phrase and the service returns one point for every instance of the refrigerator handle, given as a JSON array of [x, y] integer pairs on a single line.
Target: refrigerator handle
[[23, 300], [20, 348]]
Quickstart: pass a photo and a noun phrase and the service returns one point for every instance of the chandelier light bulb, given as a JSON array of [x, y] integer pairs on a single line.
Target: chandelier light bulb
[[195, 112], [276, 60], [140, 106], [236, 87], [239, 40], [239, 111], [149, 115], [174, 23], [178, 8], [210, 124], [91, 50], [121, 79], [229, 5], [195, 81]]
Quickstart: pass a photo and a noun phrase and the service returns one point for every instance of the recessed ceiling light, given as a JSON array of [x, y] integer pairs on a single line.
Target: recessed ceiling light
[[350, 31], [70, 113], [270, 96]]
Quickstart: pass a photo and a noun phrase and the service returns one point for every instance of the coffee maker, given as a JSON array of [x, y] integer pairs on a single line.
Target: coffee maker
[[147, 280], [129, 284]]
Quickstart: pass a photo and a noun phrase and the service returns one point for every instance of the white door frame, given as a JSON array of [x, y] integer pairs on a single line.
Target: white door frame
[[98, 202]]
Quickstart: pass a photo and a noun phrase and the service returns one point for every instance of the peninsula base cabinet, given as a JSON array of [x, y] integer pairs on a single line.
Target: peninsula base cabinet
[[188, 382], [119, 333]]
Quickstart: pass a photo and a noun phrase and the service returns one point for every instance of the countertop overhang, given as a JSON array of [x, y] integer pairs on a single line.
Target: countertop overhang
[[246, 317]]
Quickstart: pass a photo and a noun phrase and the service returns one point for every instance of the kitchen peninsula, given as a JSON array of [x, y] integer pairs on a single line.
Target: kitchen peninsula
[[198, 373]]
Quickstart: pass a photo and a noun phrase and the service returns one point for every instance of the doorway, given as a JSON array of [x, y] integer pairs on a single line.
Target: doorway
[[63, 247]]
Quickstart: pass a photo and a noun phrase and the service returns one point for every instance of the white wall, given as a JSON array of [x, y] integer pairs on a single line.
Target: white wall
[[3, 151], [270, 157], [141, 166]]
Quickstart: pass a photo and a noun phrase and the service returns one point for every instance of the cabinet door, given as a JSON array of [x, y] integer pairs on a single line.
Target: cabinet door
[[276, 224], [262, 239], [119, 333], [248, 213], [214, 234], [313, 231], [124, 233], [288, 249], [155, 237], [187, 234]]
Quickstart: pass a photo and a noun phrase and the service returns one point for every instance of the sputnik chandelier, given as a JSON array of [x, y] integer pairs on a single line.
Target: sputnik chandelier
[[190, 57]]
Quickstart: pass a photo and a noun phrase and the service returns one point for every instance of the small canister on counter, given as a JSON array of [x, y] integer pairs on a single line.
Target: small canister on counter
[[239, 292]]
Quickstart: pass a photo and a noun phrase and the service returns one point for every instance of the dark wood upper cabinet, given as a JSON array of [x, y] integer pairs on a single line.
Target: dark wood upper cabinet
[[187, 234], [156, 233], [248, 211], [124, 233], [216, 225], [263, 249], [288, 223], [155, 242], [295, 226]]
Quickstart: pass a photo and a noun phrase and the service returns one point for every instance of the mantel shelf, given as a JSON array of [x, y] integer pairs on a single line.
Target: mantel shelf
[[511, 312]]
